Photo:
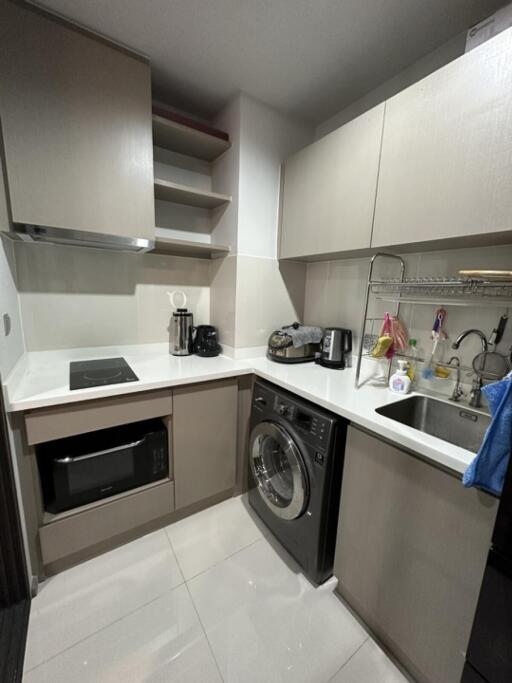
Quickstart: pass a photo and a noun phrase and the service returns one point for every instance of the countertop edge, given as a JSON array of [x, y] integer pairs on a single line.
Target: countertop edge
[[430, 448]]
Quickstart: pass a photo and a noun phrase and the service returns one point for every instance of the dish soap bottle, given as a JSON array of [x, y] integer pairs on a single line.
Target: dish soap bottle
[[400, 382]]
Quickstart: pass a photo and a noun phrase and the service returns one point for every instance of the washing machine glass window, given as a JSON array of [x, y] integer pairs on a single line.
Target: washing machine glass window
[[278, 469]]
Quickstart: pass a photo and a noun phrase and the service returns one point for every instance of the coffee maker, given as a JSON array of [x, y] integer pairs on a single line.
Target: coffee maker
[[336, 349], [206, 342]]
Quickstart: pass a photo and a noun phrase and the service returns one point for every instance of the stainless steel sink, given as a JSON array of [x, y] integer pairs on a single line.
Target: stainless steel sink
[[451, 422]]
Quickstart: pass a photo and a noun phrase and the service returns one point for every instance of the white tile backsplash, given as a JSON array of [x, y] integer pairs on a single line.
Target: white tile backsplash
[[75, 297], [269, 294]]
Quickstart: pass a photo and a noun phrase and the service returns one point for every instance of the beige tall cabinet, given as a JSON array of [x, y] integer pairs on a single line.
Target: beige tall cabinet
[[329, 190], [411, 551], [76, 117], [205, 419], [446, 165]]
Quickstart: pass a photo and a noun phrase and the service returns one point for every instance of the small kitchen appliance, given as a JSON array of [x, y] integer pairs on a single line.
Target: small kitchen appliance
[[206, 343], [294, 343], [181, 327], [81, 469], [336, 348], [181, 332], [98, 372]]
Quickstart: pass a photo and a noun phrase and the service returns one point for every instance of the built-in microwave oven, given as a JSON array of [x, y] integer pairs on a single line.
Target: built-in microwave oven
[[88, 467]]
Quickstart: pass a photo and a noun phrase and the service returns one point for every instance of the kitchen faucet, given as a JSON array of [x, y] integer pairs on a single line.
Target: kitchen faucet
[[466, 333], [475, 395], [457, 391]]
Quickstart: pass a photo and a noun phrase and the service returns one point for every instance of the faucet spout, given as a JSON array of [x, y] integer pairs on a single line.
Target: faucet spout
[[466, 333], [457, 390]]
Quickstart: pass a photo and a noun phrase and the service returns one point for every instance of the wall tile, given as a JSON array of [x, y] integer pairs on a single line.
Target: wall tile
[[75, 297], [269, 294], [316, 293], [335, 294], [223, 298]]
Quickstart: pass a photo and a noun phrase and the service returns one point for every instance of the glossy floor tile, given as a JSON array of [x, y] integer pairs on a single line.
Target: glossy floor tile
[[246, 615], [267, 623], [162, 641], [78, 602], [210, 536], [369, 665]]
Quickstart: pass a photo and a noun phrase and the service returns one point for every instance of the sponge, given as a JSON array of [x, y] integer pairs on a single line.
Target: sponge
[[382, 346]]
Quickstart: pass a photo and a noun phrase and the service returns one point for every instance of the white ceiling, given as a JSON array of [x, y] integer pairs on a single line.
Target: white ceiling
[[306, 57]]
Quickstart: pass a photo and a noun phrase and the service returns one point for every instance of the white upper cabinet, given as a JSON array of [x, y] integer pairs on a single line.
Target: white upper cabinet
[[446, 165], [76, 116], [329, 190]]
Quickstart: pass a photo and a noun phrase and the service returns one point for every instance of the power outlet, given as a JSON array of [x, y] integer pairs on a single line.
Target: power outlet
[[7, 324]]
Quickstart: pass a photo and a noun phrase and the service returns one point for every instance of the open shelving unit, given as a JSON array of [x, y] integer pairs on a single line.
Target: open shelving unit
[[191, 196], [200, 144], [185, 140]]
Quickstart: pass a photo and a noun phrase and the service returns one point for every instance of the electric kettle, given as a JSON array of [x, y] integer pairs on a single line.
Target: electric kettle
[[336, 348], [181, 327]]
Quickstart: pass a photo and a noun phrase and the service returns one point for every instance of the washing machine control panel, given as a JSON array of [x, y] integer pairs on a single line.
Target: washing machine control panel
[[304, 420], [284, 408]]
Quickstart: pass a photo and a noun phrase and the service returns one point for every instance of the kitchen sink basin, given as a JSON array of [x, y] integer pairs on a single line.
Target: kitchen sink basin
[[448, 421]]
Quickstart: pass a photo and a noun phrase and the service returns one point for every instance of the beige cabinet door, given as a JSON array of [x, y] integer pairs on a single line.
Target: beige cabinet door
[[411, 550], [446, 165], [76, 116], [329, 190], [204, 438]]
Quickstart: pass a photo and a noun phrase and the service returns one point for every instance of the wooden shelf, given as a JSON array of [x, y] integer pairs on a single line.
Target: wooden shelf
[[175, 247], [191, 196], [184, 140]]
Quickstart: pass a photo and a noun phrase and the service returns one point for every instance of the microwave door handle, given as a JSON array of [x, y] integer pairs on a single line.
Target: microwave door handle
[[88, 456]]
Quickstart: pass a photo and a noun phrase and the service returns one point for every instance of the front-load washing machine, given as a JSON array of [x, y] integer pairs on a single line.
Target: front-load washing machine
[[296, 455]]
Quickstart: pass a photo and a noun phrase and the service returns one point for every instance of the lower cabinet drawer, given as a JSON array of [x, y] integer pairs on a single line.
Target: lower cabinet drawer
[[77, 532], [58, 422]]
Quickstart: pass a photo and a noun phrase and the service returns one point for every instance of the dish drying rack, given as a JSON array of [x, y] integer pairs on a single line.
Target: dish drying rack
[[422, 290]]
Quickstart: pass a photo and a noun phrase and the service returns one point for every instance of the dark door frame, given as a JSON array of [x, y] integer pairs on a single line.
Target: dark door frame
[[14, 580]]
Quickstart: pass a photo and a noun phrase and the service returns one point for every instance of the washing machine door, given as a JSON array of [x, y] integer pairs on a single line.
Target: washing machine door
[[278, 470]]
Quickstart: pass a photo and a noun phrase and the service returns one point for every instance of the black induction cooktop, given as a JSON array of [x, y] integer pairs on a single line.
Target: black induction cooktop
[[96, 373]]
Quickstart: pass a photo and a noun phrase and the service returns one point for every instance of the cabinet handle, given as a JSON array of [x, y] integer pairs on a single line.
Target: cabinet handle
[[87, 456]]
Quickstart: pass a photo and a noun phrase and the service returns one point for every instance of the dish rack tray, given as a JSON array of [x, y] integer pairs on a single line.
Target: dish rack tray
[[423, 290], [456, 291]]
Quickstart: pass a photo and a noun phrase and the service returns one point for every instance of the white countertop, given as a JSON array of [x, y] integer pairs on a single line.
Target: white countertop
[[41, 379]]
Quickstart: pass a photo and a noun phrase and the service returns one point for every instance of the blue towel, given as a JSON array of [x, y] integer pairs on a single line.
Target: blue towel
[[489, 467]]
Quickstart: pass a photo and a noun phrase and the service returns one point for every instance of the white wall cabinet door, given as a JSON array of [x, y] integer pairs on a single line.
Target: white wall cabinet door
[[76, 117], [446, 164], [329, 190]]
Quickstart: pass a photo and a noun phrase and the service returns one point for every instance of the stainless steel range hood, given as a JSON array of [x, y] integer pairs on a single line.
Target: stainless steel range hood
[[79, 238]]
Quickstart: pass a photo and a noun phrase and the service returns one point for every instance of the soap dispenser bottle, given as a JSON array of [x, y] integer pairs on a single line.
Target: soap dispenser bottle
[[400, 382]]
